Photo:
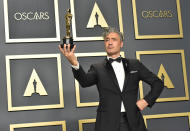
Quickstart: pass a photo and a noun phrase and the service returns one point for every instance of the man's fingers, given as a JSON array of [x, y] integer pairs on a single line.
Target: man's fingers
[[142, 104], [65, 50], [140, 108], [68, 48], [73, 50], [61, 49], [139, 105]]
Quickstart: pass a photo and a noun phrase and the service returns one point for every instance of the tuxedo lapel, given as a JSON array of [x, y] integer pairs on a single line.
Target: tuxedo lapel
[[111, 74], [126, 66]]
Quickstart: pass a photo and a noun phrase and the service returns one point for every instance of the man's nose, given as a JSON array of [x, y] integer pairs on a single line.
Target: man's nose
[[110, 42]]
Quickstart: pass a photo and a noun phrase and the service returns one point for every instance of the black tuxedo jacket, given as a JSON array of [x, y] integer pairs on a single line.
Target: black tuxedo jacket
[[110, 96]]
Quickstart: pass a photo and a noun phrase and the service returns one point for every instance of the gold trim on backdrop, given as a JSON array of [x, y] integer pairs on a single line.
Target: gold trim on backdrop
[[9, 40], [159, 116], [39, 124], [93, 38], [146, 117], [186, 97], [85, 121], [138, 36], [36, 56], [96, 54]]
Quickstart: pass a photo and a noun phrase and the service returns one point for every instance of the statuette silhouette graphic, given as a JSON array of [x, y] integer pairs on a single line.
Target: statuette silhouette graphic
[[35, 86], [96, 18], [163, 75]]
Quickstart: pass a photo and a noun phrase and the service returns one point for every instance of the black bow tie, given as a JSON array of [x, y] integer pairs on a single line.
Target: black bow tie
[[117, 60]]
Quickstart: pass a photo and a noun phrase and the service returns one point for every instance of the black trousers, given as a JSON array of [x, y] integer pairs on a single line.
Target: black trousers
[[124, 124]]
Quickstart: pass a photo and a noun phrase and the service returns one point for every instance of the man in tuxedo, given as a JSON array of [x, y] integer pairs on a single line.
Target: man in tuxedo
[[117, 81]]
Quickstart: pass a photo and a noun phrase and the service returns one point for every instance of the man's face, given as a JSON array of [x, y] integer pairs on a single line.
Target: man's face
[[113, 44]]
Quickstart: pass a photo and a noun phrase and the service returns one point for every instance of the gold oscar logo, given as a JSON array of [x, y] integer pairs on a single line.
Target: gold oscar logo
[[96, 18], [35, 86], [157, 14], [163, 75]]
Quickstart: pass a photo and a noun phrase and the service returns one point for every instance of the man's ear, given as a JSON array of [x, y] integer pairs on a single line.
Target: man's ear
[[122, 44]]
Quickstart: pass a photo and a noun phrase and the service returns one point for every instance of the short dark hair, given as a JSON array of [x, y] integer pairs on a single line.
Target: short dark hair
[[110, 30]]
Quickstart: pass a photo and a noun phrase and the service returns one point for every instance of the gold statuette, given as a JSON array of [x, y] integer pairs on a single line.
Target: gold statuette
[[68, 39]]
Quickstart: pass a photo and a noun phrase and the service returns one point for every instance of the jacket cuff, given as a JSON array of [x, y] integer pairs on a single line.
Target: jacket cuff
[[150, 103]]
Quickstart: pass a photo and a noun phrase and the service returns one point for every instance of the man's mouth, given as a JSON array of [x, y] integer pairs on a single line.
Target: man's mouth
[[110, 47]]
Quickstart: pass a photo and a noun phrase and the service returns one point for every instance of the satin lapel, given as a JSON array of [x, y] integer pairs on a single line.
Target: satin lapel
[[112, 75], [126, 66]]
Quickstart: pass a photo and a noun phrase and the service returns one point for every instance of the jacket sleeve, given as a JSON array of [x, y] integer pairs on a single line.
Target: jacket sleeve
[[85, 79], [155, 83]]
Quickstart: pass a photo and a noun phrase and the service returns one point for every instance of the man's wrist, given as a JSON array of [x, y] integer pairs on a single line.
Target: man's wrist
[[76, 66]]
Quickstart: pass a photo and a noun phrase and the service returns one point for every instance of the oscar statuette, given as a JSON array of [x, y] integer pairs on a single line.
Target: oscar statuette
[[68, 38]]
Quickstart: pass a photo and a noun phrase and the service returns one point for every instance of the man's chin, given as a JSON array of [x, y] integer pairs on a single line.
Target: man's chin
[[112, 53], [109, 53]]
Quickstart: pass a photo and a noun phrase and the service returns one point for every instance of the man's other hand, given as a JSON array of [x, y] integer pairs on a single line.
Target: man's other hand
[[141, 104]]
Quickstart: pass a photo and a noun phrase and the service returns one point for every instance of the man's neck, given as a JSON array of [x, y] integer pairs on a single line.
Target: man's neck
[[114, 56]]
